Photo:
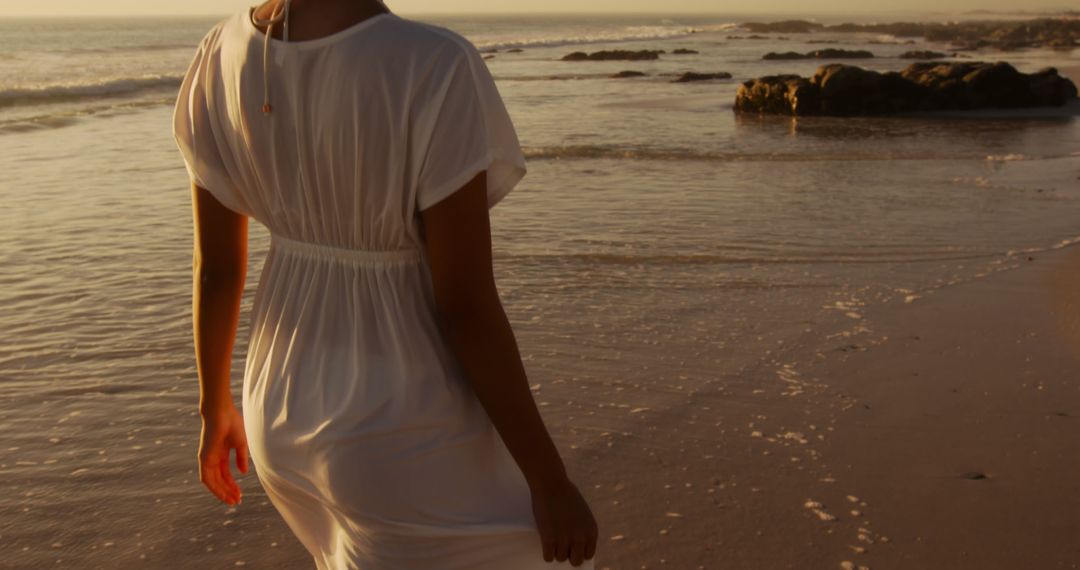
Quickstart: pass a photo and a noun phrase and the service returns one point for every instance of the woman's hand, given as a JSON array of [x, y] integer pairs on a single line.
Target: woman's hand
[[222, 431], [566, 524]]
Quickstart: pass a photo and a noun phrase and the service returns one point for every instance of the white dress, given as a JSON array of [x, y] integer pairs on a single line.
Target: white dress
[[361, 426]]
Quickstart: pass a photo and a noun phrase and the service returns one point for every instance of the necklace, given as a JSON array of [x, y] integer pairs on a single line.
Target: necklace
[[276, 16]]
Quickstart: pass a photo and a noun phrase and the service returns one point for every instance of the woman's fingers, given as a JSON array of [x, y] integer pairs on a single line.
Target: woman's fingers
[[590, 545], [232, 490], [215, 475], [211, 478], [221, 434], [577, 549], [547, 542], [562, 548], [242, 458]]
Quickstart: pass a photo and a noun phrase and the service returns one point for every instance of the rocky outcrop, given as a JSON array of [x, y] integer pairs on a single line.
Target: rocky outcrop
[[898, 29], [682, 51], [694, 76], [1062, 32], [923, 54], [838, 89], [1008, 35], [607, 55], [626, 73], [784, 27], [829, 53]]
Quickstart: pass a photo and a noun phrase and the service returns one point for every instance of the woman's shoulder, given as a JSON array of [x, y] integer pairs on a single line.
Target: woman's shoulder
[[213, 36], [429, 40]]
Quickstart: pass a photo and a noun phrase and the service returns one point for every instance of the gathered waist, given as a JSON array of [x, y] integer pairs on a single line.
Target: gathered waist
[[348, 255]]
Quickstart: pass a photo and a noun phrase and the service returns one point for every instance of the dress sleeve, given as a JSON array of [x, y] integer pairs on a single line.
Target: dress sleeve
[[466, 129], [193, 130]]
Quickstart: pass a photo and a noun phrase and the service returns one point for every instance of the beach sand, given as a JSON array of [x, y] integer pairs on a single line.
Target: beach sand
[[960, 431], [935, 433]]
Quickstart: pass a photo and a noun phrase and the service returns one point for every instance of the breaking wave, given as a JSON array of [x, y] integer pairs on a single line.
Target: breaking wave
[[23, 96]]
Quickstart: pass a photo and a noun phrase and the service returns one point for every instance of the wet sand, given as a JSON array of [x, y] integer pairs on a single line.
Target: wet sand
[[934, 432], [960, 430]]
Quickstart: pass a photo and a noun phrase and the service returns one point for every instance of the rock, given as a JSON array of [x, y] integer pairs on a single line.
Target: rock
[[605, 55], [680, 51], [694, 76], [838, 89], [844, 88], [772, 55], [783, 27], [489, 56], [828, 53], [1058, 32], [923, 54], [898, 29], [1062, 43], [514, 50], [1050, 89], [997, 85], [775, 94], [627, 73], [832, 53], [975, 34]]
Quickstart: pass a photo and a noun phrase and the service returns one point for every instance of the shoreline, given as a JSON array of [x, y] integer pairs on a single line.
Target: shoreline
[[958, 429], [947, 423]]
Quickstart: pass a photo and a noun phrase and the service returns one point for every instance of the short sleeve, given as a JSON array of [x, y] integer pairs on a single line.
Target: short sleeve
[[193, 130], [466, 130]]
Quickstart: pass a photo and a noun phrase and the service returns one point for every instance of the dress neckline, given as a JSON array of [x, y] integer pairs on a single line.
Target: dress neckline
[[361, 25]]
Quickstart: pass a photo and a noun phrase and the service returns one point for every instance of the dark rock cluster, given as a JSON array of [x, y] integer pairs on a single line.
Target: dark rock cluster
[[1009, 35], [1063, 32], [606, 55], [838, 89], [829, 53], [695, 76], [923, 54], [683, 78], [784, 27]]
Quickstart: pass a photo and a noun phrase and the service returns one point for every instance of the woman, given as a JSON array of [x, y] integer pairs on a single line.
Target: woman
[[384, 400]]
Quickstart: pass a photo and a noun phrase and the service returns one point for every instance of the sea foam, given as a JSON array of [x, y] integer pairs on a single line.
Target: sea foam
[[62, 93]]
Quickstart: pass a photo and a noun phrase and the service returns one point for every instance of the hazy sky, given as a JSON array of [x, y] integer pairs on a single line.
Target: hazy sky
[[149, 7]]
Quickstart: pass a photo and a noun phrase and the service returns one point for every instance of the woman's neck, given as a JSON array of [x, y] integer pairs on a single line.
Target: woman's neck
[[313, 19]]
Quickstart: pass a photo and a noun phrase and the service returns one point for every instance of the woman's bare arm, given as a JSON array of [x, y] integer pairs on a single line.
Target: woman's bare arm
[[458, 235], [219, 270]]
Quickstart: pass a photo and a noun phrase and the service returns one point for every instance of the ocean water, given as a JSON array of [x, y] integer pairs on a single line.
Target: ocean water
[[660, 247]]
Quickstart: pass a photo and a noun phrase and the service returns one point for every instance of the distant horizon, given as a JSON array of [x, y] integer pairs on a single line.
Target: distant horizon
[[780, 15], [762, 9]]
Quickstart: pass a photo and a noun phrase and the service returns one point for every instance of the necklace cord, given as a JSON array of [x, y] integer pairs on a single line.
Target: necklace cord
[[276, 16]]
